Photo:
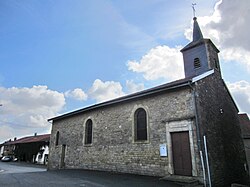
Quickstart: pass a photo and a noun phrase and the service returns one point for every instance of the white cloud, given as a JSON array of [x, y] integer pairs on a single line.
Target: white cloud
[[237, 54], [241, 93], [160, 62], [103, 91], [233, 26], [77, 94], [133, 87], [26, 110]]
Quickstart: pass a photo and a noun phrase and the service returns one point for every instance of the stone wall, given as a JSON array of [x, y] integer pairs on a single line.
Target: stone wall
[[247, 149], [219, 122], [113, 147]]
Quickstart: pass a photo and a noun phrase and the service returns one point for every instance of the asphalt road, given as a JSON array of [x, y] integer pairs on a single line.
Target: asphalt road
[[27, 175]]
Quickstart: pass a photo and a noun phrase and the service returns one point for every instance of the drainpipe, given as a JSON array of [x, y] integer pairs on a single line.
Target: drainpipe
[[203, 169], [196, 116], [208, 169], [198, 132]]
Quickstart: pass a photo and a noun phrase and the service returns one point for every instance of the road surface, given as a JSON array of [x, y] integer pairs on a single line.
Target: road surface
[[23, 175]]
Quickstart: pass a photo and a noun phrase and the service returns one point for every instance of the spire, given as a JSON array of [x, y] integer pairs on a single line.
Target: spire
[[197, 34]]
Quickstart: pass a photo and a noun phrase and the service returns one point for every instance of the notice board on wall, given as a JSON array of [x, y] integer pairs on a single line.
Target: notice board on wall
[[163, 150]]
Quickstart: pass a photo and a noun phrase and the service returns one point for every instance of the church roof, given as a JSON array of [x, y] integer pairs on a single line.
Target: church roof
[[137, 95], [158, 89], [197, 43], [197, 34]]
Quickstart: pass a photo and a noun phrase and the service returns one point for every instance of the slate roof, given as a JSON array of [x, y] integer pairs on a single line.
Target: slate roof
[[197, 34], [199, 42], [30, 139], [164, 87]]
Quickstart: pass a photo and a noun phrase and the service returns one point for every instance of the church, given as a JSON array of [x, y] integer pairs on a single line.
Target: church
[[187, 128]]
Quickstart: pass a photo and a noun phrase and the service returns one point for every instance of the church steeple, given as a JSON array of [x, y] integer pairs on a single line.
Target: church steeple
[[197, 34], [200, 55]]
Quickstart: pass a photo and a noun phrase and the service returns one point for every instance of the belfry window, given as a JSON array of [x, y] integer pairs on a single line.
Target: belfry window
[[140, 119], [197, 63], [88, 132]]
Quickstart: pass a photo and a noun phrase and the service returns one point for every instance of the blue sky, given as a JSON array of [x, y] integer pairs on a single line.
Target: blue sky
[[58, 56]]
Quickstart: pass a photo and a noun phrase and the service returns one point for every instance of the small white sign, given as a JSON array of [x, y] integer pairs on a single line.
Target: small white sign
[[163, 150]]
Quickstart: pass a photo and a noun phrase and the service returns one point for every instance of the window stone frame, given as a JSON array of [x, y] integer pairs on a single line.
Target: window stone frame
[[84, 132], [136, 107]]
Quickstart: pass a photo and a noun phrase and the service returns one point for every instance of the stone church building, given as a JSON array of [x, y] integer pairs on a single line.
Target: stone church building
[[188, 127]]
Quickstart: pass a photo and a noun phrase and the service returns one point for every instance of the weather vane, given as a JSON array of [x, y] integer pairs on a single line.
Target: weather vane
[[193, 4]]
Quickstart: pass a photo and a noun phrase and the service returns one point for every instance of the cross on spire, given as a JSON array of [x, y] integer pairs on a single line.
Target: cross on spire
[[193, 4]]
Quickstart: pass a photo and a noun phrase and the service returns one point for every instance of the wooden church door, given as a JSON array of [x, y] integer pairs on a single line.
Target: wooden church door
[[181, 153]]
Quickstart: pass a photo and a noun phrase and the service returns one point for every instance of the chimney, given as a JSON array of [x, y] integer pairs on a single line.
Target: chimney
[[15, 139], [35, 134]]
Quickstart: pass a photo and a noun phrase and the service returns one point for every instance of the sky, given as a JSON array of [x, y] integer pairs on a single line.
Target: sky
[[59, 56]]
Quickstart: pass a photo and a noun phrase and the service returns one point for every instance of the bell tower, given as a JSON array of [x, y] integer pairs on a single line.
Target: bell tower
[[200, 55]]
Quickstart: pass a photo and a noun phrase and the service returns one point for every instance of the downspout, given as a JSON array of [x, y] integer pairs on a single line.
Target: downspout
[[208, 169], [196, 116], [198, 131]]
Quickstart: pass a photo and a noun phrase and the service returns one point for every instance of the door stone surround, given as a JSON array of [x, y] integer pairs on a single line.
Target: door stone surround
[[179, 126]]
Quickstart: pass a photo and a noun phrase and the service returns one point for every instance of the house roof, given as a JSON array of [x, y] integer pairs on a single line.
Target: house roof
[[245, 125], [30, 139]]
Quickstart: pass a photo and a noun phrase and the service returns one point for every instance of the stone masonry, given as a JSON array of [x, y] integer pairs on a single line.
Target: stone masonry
[[218, 119], [113, 147]]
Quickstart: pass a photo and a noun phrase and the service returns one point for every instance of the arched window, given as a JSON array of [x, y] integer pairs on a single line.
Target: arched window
[[88, 132], [57, 138], [197, 63], [140, 125]]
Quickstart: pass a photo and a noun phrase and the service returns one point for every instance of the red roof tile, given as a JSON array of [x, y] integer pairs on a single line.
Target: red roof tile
[[30, 139]]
